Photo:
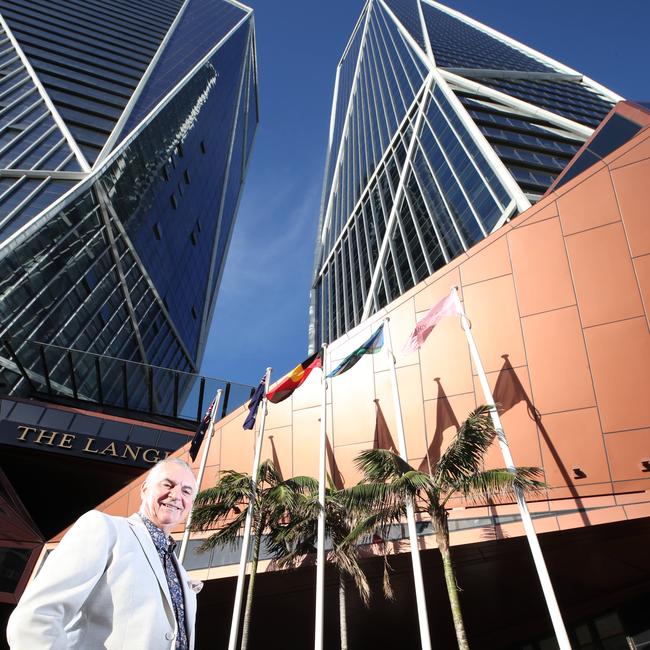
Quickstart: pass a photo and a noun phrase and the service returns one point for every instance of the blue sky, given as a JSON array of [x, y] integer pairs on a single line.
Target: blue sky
[[261, 312]]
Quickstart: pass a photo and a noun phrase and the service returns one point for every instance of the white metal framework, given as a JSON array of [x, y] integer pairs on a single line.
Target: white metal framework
[[441, 130]]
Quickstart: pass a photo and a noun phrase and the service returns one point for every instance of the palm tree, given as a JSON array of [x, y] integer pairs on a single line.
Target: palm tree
[[224, 507], [390, 483], [297, 537]]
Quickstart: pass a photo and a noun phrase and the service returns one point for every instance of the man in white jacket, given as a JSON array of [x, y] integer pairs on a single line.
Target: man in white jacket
[[114, 582]]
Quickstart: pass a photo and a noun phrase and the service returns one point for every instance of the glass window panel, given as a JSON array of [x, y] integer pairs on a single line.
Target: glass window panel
[[457, 44], [407, 13]]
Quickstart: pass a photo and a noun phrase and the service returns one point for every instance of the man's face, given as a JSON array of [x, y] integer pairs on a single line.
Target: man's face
[[167, 495]]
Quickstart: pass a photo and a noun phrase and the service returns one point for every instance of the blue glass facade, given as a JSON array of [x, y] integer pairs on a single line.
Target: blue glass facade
[[432, 149], [89, 56], [202, 24], [128, 262]]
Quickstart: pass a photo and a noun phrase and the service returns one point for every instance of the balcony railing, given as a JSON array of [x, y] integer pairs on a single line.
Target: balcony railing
[[61, 374]]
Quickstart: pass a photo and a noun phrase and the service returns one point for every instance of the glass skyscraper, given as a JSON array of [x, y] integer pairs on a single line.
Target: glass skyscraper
[[441, 130], [125, 132]]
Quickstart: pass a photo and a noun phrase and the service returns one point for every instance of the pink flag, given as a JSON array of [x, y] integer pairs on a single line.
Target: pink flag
[[446, 307]]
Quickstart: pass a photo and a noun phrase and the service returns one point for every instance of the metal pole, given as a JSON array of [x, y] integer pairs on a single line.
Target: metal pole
[[533, 542], [243, 559], [320, 551], [206, 448], [420, 598]]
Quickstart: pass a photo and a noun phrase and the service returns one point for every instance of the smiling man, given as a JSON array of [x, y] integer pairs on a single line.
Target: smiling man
[[114, 582]]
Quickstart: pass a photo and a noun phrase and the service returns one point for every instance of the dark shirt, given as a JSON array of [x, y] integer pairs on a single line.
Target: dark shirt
[[165, 546]]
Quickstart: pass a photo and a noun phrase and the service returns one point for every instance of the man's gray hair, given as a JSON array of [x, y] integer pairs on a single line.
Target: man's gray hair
[[167, 461]]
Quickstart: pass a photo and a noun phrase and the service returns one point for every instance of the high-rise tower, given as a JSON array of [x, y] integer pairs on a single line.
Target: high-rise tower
[[441, 130], [125, 131]]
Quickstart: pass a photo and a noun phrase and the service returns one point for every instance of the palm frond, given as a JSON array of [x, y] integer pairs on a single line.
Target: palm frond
[[230, 489], [381, 464], [211, 516], [226, 535], [387, 586], [412, 482], [348, 562], [303, 484], [267, 473], [464, 455], [377, 521], [363, 496], [498, 483]]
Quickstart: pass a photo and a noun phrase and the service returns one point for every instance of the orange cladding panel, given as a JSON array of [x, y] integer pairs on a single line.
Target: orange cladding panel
[[306, 432], [445, 357], [603, 273], [557, 360], [642, 269], [511, 391], [630, 153], [619, 355], [545, 209], [410, 394], [237, 446], [492, 308], [634, 205], [540, 267], [429, 293], [572, 440], [627, 450], [491, 262], [590, 203], [278, 447], [352, 394], [443, 417]]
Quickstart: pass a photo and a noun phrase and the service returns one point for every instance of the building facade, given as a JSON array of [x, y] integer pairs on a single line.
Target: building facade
[[564, 340], [125, 133], [442, 130]]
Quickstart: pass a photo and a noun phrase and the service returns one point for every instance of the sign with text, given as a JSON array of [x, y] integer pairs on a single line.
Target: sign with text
[[80, 445]]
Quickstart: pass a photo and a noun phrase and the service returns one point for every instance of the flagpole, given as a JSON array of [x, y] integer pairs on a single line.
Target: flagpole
[[529, 528], [420, 598], [243, 560], [320, 550], [199, 478]]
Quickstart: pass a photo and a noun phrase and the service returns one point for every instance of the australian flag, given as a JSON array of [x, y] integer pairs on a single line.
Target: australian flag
[[254, 404], [200, 431]]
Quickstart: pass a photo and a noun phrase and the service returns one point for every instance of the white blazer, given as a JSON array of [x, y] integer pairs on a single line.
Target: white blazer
[[103, 587]]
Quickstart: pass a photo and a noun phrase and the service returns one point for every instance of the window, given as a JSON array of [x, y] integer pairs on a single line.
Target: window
[[157, 232], [193, 238], [194, 314], [186, 176], [204, 149], [164, 172], [173, 201], [179, 150]]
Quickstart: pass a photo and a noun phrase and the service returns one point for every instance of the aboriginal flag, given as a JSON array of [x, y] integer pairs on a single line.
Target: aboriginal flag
[[296, 377]]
